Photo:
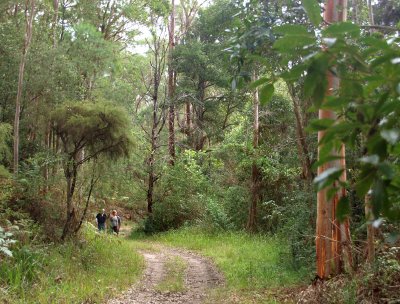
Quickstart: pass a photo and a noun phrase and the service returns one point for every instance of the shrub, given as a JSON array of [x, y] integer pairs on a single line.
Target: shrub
[[179, 197]]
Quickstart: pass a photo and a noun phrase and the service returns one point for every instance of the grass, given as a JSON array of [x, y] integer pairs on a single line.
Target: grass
[[247, 261], [257, 268], [96, 268], [174, 279]]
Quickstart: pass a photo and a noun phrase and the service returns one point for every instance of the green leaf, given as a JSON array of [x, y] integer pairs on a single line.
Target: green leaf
[[331, 193], [292, 43], [258, 82], [292, 29], [325, 159], [380, 200], [266, 93], [319, 91], [340, 29], [327, 177], [320, 124], [313, 11], [387, 169], [364, 183], [294, 73], [343, 209]]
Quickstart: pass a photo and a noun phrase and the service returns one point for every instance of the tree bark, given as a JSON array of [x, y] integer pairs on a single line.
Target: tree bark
[[370, 13], [171, 88], [301, 135], [255, 172], [93, 181], [332, 238], [198, 133], [370, 230], [29, 6], [71, 172], [55, 21]]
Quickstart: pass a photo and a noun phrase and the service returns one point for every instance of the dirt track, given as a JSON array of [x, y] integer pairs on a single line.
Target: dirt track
[[200, 276]]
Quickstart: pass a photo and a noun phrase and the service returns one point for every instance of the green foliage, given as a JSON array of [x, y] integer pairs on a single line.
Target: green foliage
[[22, 270], [313, 11], [76, 271], [365, 103], [179, 199], [6, 240], [98, 127], [5, 137]]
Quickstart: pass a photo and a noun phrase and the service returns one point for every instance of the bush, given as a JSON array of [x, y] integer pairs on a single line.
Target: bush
[[19, 272], [179, 197]]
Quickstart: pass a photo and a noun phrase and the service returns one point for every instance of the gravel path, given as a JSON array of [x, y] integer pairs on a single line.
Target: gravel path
[[200, 276]]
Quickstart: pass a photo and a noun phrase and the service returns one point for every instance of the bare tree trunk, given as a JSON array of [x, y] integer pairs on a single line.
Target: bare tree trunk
[[333, 238], [29, 6], [55, 21], [188, 118], [370, 13], [93, 181], [255, 172], [301, 135], [150, 188], [171, 88], [370, 229], [198, 133], [71, 175], [356, 14]]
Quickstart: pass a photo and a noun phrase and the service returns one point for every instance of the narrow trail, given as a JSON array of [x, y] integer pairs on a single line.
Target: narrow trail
[[200, 277]]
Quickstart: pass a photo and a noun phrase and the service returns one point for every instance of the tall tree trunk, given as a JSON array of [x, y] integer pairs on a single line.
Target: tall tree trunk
[[29, 15], [55, 21], [198, 133], [93, 181], [71, 172], [150, 188], [370, 13], [370, 229], [333, 238], [188, 117], [255, 172], [48, 135], [171, 88], [301, 135]]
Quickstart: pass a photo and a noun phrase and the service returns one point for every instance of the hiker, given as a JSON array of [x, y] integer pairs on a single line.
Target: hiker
[[115, 221], [101, 218]]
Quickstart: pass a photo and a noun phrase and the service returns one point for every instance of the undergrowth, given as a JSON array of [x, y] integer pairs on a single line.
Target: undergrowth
[[88, 270]]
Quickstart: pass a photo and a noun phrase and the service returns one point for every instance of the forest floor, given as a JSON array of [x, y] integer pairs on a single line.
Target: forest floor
[[172, 276]]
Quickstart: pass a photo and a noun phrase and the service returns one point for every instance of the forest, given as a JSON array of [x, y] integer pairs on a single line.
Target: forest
[[251, 149]]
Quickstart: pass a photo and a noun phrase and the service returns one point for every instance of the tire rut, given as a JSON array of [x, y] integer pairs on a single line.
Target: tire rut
[[201, 275]]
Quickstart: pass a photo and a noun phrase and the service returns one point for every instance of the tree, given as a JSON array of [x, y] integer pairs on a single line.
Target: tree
[[29, 16], [156, 101], [171, 86], [333, 237], [96, 128], [255, 171]]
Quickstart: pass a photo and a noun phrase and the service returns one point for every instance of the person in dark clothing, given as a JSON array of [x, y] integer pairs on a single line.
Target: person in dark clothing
[[101, 218]]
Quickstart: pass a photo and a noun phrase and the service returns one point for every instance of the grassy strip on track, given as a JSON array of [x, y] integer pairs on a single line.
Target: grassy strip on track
[[174, 279]]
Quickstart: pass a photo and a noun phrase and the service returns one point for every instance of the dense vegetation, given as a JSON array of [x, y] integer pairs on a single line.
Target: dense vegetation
[[204, 123]]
